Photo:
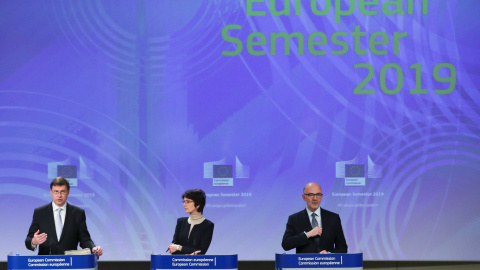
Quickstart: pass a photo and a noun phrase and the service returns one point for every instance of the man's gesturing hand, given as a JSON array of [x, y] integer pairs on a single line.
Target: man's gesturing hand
[[314, 232], [39, 239]]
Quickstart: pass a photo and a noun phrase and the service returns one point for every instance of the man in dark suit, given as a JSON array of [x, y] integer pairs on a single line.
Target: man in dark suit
[[63, 223], [314, 229]]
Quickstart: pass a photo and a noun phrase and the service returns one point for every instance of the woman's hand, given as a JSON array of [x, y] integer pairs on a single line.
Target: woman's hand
[[172, 248]]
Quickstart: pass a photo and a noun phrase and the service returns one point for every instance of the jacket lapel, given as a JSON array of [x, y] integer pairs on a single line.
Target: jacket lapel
[[324, 218], [306, 220], [67, 219], [51, 222]]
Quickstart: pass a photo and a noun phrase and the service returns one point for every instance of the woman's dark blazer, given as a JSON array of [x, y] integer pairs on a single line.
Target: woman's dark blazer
[[200, 237]]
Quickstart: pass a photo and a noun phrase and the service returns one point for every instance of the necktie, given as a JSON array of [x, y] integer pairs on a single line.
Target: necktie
[[58, 224], [314, 220], [315, 224]]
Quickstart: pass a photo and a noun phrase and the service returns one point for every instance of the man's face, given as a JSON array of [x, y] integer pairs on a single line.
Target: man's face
[[313, 202], [59, 195]]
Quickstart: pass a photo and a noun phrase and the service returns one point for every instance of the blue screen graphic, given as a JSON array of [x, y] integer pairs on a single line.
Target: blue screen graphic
[[135, 102]]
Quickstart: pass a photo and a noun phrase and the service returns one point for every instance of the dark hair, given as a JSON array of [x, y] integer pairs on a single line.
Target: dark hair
[[197, 196], [60, 181]]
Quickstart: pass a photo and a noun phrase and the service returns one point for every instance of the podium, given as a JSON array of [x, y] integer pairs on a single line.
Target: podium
[[352, 261], [194, 262], [71, 262]]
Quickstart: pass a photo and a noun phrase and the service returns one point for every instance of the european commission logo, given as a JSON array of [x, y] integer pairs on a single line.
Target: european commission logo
[[223, 174], [69, 171], [355, 173]]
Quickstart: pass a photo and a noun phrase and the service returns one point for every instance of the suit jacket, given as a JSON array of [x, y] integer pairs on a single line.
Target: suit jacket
[[74, 230], [200, 237], [332, 238]]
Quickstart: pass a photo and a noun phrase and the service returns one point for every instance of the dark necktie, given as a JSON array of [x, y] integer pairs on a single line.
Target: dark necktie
[[315, 224], [314, 220]]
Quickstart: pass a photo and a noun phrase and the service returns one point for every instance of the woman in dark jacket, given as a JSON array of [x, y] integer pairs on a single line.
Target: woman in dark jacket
[[193, 235]]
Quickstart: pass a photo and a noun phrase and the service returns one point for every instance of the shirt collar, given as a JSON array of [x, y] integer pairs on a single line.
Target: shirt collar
[[55, 207], [309, 212]]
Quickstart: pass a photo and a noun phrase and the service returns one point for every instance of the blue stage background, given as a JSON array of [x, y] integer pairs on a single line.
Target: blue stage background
[[135, 103]]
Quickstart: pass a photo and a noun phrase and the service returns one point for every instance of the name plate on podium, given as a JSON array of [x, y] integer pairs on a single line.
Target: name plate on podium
[[194, 262], [352, 261], [77, 262]]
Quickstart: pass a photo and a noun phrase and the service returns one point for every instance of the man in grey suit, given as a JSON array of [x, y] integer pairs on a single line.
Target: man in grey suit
[[314, 229], [59, 226]]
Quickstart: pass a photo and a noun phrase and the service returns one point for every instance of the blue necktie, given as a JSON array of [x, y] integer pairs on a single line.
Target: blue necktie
[[58, 224]]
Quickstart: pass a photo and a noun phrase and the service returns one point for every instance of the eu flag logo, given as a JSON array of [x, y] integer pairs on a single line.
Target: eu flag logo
[[222, 171], [354, 170], [354, 175], [67, 171]]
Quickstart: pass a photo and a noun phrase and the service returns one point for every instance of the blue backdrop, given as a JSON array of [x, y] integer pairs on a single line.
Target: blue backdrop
[[137, 101]]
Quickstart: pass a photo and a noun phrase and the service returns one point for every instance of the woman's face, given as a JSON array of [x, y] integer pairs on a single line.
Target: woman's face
[[189, 206]]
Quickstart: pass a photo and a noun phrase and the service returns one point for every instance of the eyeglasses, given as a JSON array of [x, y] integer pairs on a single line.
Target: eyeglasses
[[63, 192], [186, 201], [311, 195]]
